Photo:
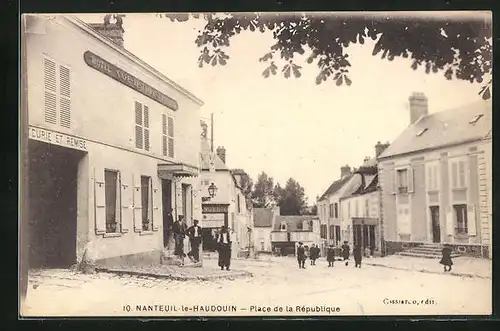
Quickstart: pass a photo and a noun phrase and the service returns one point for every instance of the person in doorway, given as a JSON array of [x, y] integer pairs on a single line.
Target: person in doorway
[[301, 256], [358, 256], [169, 222], [313, 254], [194, 234], [179, 231], [224, 247], [345, 252], [446, 258], [330, 255]]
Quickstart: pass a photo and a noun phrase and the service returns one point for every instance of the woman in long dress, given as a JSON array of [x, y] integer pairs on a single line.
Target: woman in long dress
[[446, 258], [224, 247]]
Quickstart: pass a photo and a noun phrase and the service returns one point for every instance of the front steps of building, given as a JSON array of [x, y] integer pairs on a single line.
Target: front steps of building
[[429, 251]]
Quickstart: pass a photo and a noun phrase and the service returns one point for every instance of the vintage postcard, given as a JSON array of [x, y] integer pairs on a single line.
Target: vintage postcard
[[256, 164]]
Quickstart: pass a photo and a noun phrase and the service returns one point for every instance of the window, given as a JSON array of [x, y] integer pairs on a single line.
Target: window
[[331, 210], [147, 206], [336, 210], [421, 132], [57, 86], [475, 119], [322, 231], [283, 226], [141, 126], [332, 231], [458, 174], [300, 226], [238, 204], [337, 234], [367, 208], [168, 136], [261, 244], [402, 180], [432, 177], [112, 201], [461, 219]]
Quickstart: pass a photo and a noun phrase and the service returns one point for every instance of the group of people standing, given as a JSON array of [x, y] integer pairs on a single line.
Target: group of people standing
[[180, 230], [314, 254]]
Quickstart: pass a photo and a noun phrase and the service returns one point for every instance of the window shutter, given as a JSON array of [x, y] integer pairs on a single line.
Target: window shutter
[[138, 125], [171, 137], [461, 174], [411, 182], [64, 96], [449, 223], [454, 174], [394, 183], [164, 134], [471, 220], [127, 202], [150, 202], [137, 198], [146, 128], [429, 174], [100, 201], [49, 79]]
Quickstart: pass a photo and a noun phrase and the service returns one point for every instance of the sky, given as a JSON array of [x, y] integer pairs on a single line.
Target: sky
[[290, 127]]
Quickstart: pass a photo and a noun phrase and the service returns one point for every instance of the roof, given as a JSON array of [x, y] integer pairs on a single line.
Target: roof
[[442, 129], [87, 28], [262, 217], [205, 157], [335, 186], [294, 223]]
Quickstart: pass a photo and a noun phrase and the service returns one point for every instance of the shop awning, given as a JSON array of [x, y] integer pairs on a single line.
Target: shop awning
[[169, 170]]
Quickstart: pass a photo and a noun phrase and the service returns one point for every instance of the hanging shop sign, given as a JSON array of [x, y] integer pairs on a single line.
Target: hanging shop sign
[[57, 138], [109, 69]]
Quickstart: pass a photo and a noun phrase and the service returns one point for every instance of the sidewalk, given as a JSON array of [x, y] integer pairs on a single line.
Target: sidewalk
[[462, 266]]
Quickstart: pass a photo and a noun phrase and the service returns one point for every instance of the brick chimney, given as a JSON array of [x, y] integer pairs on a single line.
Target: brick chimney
[[380, 148], [345, 171], [111, 28], [221, 153], [418, 106]]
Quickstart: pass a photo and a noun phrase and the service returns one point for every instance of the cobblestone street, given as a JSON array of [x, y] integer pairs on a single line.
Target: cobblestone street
[[371, 290]]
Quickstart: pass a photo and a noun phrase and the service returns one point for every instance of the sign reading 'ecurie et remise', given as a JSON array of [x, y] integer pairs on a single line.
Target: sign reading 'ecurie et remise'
[[57, 138], [125, 78]]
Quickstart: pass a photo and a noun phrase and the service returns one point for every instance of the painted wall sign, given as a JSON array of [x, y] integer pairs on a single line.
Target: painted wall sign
[[213, 220], [99, 64], [56, 138], [212, 208]]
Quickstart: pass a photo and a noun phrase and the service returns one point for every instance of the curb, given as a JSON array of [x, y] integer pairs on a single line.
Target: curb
[[239, 274], [427, 271]]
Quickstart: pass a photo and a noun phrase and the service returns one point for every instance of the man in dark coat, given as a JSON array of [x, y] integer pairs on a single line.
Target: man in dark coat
[[301, 256], [313, 254], [330, 255], [446, 258], [194, 234], [358, 255], [179, 229], [345, 252], [224, 247]]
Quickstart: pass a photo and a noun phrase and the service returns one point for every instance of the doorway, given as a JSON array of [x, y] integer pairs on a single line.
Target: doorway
[[53, 183], [168, 218], [436, 229]]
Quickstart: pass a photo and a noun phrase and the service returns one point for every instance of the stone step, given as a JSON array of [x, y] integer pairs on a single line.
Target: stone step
[[424, 255], [424, 250]]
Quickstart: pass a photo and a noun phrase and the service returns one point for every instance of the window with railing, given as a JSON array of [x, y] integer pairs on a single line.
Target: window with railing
[[402, 180], [460, 219]]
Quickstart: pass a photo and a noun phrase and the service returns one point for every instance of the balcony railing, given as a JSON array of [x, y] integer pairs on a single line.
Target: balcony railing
[[403, 189], [461, 230]]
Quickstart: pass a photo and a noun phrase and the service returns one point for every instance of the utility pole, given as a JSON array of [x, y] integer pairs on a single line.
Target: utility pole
[[212, 132]]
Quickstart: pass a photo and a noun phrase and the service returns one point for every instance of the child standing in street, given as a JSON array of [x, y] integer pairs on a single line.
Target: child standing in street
[[358, 255], [345, 252], [330, 256], [446, 258]]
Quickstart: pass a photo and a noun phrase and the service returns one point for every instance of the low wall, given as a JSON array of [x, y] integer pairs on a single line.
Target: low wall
[[139, 259]]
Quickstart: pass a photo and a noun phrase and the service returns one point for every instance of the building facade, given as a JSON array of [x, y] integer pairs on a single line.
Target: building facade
[[288, 231], [435, 180], [263, 220], [113, 146]]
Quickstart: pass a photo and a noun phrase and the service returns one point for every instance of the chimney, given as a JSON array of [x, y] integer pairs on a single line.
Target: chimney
[[380, 148], [418, 106], [111, 28], [221, 153], [345, 171]]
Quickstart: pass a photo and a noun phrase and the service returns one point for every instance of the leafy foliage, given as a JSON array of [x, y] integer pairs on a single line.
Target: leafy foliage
[[263, 192], [291, 198], [457, 49]]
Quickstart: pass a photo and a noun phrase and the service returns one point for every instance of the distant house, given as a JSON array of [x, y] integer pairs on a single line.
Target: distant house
[[436, 179], [263, 220], [329, 209], [288, 231]]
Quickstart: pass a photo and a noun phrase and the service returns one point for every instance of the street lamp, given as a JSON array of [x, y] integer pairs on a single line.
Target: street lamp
[[212, 190]]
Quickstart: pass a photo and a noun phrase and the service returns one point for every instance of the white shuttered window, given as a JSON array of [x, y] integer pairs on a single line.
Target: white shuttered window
[[57, 86], [141, 126], [168, 136]]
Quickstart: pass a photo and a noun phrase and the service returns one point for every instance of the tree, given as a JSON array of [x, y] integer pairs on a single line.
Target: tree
[[263, 192], [290, 199], [458, 47]]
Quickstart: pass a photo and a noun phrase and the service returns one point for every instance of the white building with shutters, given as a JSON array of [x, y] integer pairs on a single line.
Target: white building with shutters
[[113, 145], [436, 179]]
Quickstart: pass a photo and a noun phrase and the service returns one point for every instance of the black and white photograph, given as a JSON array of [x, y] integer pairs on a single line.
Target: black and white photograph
[[265, 164]]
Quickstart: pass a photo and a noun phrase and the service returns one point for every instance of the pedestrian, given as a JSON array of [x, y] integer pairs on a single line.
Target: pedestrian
[[313, 254], [224, 247], [446, 258], [168, 227], [345, 252], [301, 256], [330, 255], [179, 231], [358, 256], [194, 234]]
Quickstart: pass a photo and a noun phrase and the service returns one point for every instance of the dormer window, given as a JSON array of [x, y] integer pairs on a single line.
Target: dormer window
[[283, 226], [475, 119], [421, 132]]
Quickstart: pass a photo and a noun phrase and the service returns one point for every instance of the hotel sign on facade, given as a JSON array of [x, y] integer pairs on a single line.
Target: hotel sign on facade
[[99, 64], [57, 138]]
